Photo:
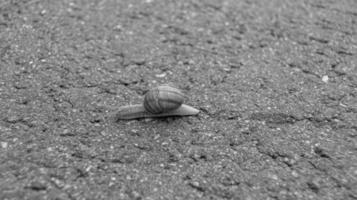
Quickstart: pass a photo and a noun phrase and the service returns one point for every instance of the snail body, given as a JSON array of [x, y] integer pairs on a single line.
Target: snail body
[[138, 111], [162, 101]]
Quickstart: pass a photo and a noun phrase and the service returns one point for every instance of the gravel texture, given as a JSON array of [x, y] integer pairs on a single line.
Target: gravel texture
[[275, 81]]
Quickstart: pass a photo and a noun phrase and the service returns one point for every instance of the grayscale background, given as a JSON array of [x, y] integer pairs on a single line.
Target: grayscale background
[[275, 82]]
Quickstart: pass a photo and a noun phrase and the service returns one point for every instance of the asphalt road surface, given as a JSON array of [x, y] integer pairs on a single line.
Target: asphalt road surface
[[275, 82]]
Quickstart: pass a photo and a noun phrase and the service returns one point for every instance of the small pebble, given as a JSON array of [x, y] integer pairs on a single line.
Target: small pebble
[[325, 78], [4, 145], [195, 183], [295, 174], [13, 119], [160, 75]]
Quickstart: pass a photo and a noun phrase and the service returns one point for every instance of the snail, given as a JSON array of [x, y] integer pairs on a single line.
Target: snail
[[162, 101]]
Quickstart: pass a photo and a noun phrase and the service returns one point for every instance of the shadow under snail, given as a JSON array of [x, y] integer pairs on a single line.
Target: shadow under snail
[[162, 101]]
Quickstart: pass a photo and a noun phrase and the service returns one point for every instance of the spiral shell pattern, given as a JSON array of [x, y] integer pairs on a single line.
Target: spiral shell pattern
[[163, 99]]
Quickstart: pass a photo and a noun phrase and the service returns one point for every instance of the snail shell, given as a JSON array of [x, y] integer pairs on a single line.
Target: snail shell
[[163, 99]]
